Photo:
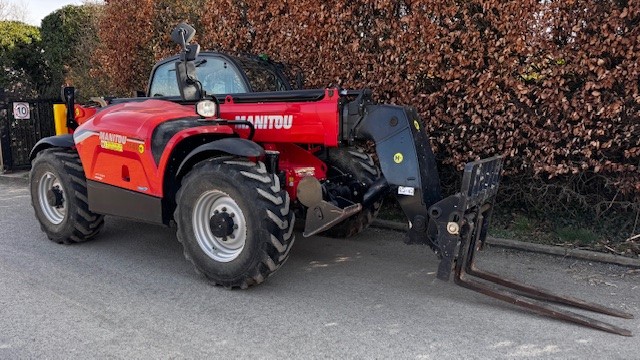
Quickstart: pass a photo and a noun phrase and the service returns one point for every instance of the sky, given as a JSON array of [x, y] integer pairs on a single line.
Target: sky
[[38, 9]]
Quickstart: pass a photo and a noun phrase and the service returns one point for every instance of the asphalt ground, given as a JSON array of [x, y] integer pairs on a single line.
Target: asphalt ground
[[130, 294]]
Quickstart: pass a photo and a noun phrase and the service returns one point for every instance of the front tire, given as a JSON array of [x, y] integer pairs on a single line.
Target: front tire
[[234, 221], [59, 197]]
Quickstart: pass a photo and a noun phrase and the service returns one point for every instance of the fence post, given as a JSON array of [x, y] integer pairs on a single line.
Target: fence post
[[1, 157], [3, 116]]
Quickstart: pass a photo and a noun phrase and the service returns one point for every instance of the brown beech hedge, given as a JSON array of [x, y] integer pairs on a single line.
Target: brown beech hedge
[[555, 85]]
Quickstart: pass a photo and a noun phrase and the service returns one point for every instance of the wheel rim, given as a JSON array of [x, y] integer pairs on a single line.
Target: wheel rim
[[215, 208], [52, 198]]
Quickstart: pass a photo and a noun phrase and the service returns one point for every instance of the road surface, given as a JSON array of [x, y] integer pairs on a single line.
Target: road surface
[[130, 294]]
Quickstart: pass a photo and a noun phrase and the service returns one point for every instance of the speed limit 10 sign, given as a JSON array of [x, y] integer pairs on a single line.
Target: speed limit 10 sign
[[21, 110]]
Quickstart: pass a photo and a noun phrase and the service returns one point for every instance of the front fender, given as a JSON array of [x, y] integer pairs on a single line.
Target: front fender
[[231, 146], [60, 141]]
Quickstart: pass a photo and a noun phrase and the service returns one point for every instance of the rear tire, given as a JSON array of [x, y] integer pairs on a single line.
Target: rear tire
[[234, 221], [347, 165], [59, 197]]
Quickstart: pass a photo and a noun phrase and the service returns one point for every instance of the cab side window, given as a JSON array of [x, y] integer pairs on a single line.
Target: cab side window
[[261, 77]]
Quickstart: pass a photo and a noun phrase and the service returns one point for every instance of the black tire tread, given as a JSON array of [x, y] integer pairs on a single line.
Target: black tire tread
[[271, 199], [85, 224]]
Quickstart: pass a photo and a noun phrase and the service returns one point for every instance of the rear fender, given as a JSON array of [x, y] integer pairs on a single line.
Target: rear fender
[[59, 141], [229, 146]]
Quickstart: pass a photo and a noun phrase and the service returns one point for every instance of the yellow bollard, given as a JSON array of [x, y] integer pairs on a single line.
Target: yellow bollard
[[60, 119]]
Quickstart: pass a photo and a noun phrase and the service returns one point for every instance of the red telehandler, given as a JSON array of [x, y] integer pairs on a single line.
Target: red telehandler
[[233, 169]]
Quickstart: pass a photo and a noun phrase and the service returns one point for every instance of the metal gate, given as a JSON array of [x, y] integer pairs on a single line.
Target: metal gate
[[22, 124]]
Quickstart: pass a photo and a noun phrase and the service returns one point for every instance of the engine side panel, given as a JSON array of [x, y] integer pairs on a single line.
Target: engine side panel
[[115, 145]]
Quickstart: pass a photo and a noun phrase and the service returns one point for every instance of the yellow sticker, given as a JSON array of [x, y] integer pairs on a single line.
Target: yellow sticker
[[141, 149], [110, 145], [416, 124], [398, 158]]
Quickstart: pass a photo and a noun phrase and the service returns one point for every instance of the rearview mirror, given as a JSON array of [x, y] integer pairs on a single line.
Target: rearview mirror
[[183, 34]]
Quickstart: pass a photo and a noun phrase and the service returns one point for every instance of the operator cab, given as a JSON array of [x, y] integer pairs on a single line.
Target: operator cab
[[221, 74]]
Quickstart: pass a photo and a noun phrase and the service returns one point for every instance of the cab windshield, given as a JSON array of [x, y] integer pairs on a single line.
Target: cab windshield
[[216, 75]]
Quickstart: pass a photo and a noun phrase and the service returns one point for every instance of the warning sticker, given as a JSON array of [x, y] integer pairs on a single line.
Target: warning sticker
[[397, 158], [404, 190]]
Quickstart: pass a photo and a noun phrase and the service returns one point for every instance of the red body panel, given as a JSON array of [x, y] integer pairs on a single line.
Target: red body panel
[[82, 114], [314, 122], [115, 144]]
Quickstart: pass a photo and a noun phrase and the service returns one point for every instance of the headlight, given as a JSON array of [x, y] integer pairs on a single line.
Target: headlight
[[207, 108]]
